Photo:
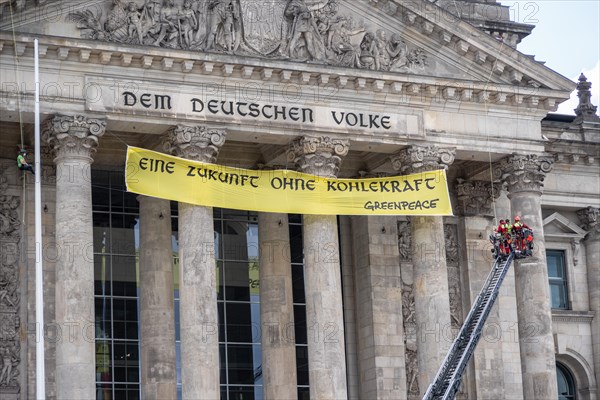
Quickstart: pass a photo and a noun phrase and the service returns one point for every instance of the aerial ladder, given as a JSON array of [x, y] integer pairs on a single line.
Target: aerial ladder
[[447, 381]]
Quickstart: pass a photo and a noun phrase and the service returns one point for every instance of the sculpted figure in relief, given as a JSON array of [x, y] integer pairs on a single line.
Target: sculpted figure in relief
[[397, 50], [169, 25], [188, 24], [368, 52], [304, 33], [8, 359], [134, 20], [303, 30], [223, 25]]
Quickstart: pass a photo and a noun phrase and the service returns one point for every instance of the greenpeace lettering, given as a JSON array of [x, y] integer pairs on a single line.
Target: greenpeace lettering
[[159, 175], [401, 205]]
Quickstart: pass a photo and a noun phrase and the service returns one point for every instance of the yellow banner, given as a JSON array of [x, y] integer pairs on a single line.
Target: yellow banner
[[160, 175]]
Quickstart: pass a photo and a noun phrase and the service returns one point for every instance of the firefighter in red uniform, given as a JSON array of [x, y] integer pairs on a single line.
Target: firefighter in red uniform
[[523, 236], [502, 231]]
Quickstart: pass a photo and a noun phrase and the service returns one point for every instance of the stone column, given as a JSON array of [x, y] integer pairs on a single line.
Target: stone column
[[74, 139], [590, 219], [157, 313], [199, 323], [497, 369], [276, 308], [432, 304], [525, 175], [379, 307], [323, 287]]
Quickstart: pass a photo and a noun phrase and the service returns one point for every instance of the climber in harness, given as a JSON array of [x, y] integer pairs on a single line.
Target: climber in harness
[[523, 237], [22, 163]]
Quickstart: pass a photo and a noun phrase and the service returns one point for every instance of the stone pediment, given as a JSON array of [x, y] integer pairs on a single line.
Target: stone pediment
[[558, 226], [392, 37]]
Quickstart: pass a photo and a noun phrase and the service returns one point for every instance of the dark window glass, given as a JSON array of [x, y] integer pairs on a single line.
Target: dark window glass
[[296, 243], [300, 324], [557, 277], [303, 393], [302, 365], [116, 242], [240, 364], [565, 383]]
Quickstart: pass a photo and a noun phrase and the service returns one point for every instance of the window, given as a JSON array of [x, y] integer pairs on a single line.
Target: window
[[565, 383], [116, 267], [116, 244], [557, 275]]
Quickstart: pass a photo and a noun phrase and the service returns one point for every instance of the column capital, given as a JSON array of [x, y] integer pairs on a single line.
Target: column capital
[[523, 173], [73, 136], [195, 142], [318, 155], [415, 159], [590, 220], [476, 197]]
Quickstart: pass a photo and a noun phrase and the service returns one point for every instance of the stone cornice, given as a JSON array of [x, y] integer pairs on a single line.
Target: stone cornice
[[570, 316], [154, 58], [447, 30], [469, 41]]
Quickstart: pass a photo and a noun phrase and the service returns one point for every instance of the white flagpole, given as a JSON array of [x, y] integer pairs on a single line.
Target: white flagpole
[[40, 373]]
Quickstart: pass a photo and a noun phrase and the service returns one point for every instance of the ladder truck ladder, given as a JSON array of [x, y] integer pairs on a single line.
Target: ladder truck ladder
[[447, 380]]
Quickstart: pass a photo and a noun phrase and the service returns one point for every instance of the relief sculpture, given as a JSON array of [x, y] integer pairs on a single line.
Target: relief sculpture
[[302, 30], [10, 235]]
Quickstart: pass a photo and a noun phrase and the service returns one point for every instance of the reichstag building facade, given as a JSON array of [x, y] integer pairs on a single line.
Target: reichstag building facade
[[146, 298]]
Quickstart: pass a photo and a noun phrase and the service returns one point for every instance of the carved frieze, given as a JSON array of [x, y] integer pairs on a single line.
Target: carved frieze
[[476, 197], [73, 135], [196, 142], [410, 339], [318, 155], [415, 159], [590, 221], [300, 30], [404, 241], [452, 262], [10, 237], [523, 173], [412, 383]]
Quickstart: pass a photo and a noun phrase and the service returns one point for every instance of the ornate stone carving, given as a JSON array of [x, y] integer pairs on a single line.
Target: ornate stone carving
[[412, 383], [10, 236], [590, 221], [410, 339], [404, 241], [585, 111], [196, 142], [452, 262], [408, 304], [73, 136], [9, 353], [302, 30], [476, 197], [318, 155], [523, 173], [415, 159]]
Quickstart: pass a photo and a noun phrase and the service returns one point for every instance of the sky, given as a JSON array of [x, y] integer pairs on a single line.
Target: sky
[[566, 36]]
